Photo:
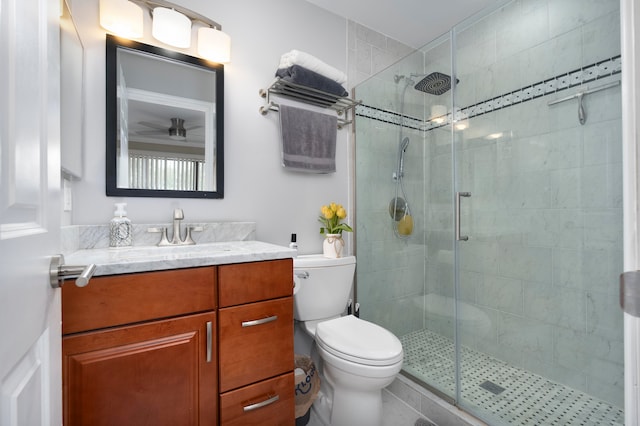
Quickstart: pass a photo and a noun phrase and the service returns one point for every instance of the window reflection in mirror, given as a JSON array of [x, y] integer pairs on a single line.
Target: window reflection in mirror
[[164, 123]]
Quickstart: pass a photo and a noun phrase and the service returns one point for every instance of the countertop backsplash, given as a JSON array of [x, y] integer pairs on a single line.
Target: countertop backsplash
[[82, 237]]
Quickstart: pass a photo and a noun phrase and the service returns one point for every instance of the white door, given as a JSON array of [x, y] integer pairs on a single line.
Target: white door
[[30, 342]]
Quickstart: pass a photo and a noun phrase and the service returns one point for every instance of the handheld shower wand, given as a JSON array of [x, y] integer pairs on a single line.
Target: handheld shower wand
[[403, 149]]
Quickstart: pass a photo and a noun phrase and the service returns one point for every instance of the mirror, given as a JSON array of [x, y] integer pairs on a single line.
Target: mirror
[[164, 122], [71, 95]]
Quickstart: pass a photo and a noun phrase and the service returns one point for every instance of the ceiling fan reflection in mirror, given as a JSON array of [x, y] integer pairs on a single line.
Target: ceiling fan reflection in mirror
[[176, 131]]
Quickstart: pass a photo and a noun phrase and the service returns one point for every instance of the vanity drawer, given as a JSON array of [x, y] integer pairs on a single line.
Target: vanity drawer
[[251, 405], [129, 298], [256, 281], [255, 342]]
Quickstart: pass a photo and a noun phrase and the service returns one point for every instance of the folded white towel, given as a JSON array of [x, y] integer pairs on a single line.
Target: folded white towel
[[310, 62]]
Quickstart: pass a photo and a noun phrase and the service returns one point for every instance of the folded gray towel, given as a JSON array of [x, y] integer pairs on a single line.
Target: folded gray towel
[[305, 77], [308, 140]]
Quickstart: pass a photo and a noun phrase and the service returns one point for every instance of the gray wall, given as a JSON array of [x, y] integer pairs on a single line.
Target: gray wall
[[257, 188]]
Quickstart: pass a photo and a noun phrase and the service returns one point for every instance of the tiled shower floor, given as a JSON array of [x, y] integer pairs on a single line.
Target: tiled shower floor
[[527, 399]]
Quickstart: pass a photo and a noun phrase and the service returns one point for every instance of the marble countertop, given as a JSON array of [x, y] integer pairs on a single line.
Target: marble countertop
[[113, 261]]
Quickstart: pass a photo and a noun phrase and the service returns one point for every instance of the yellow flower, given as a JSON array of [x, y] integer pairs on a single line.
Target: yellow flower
[[326, 212], [330, 218]]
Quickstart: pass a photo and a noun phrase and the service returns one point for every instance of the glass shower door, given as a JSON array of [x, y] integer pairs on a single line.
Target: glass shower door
[[405, 282], [539, 332]]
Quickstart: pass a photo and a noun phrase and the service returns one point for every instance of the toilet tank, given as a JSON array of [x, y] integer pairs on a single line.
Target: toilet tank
[[321, 286]]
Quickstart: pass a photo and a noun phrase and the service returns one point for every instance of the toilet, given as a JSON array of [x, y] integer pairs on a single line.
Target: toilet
[[357, 358]]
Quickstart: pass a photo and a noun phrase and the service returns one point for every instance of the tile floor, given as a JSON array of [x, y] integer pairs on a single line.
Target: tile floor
[[511, 395], [506, 392], [394, 412]]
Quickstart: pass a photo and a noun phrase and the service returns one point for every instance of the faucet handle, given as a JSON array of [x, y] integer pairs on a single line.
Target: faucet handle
[[188, 240], [164, 241], [178, 214]]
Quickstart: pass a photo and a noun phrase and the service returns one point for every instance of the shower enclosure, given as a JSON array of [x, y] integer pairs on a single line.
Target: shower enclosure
[[505, 292]]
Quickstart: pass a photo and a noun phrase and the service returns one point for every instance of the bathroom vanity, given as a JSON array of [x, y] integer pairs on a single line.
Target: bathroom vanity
[[199, 335]]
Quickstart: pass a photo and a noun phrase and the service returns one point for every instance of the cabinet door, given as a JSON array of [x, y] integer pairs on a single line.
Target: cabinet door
[[158, 373], [255, 341]]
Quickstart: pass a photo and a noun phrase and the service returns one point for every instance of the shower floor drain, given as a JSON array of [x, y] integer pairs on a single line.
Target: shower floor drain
[[492, 387], [509, 394]]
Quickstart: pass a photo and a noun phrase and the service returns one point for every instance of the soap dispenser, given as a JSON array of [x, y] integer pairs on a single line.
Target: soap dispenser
[[120, 232]]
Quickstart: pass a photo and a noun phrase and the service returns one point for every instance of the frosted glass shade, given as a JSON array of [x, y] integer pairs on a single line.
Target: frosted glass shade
[[214, 45], [122, 18], [171, 27]]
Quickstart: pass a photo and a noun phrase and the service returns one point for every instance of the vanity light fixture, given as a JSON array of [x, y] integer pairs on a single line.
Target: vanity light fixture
[[171, 27], [214, 45], [171, 24], [121, 17]]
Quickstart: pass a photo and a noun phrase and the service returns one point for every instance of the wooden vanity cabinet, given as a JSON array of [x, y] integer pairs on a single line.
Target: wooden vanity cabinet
[[194, 346], [255, 343], [139, 349]]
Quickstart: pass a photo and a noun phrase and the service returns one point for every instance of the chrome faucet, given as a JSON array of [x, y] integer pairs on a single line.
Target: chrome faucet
[[176, 238], [178, 215]]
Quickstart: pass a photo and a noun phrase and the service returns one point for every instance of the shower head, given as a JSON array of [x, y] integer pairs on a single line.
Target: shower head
[[435, 83]]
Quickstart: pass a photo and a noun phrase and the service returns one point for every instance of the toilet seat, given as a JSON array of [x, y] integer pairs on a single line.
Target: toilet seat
[[359, 341]]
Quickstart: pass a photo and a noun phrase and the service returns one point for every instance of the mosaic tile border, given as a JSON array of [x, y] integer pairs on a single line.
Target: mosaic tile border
[[527, 398], [589, 73], [389, 117]]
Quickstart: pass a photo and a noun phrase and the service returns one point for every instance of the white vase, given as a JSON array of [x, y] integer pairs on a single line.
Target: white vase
[[333, 245]]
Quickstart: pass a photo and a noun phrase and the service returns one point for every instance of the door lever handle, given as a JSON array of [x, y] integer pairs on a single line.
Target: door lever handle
[[58, 271]]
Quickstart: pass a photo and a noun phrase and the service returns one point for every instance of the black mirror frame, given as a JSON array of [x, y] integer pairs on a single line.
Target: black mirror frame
[[112, 45]]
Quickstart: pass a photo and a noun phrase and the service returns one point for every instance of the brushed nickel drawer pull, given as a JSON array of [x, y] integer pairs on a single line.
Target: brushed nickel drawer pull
[[261, 404], [259, 321], [209, 340]]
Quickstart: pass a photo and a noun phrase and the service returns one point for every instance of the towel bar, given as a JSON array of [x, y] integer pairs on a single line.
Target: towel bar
[[272, 106], [307, 95]]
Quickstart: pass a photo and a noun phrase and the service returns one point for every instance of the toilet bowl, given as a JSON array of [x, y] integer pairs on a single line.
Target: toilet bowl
[[358, 358]]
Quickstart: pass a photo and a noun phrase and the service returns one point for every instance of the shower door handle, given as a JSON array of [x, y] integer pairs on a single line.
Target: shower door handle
[[457, 224]]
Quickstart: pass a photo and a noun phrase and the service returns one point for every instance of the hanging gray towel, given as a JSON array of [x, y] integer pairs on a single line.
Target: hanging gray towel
[[308, 140]]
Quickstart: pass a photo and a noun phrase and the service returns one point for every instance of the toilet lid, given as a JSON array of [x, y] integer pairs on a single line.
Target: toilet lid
[[359, 341]]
